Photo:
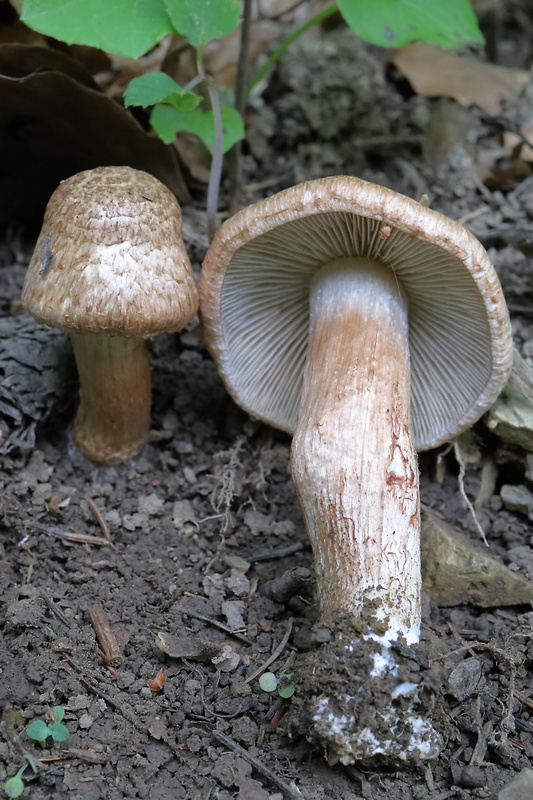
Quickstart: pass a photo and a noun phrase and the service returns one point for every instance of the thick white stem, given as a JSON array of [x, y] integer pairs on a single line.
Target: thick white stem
[[353, 462]]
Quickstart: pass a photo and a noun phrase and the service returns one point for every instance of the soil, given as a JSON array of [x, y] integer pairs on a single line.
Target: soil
[[196, 551]]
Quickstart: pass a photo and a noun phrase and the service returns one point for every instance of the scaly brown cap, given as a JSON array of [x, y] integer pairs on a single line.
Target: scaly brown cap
[[110, 257], [254, 300]]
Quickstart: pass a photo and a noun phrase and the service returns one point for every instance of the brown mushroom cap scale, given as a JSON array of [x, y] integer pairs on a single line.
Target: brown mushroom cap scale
[[255, 300], [110, 267], [118, 262]]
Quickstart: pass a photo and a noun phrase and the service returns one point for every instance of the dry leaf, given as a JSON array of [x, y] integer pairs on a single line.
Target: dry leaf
[[56, 123], [192, 647], [513, 140], [433, 72]]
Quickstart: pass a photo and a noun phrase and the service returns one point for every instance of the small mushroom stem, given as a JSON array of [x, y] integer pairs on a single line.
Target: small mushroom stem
[[353, 462], [113, 416]]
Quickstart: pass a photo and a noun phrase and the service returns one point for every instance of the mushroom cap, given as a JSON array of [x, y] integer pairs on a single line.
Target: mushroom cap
[[254, 300], [110, 257]]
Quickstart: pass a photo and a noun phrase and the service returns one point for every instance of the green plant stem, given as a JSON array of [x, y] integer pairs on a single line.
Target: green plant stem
[[240, 99], [284, 46]]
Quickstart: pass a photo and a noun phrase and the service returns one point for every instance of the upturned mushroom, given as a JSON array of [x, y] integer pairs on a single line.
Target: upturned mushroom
[[110, 267], [367, 326]]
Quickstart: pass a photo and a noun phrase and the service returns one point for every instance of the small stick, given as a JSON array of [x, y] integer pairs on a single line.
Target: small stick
[[523, 698], [99, 516], [276, 654], [218, 625], [54, 608], [105, 635], [85, 538], [458, 636], [291, 792], [281, 553]]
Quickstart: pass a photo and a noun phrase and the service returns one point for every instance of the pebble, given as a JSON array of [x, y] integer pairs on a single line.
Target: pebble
[[464, 679], [516, 498], [520, 788]]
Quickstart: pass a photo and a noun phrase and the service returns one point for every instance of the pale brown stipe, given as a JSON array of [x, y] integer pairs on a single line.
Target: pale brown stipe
[[364, 324], [353, 426], [111, 268]]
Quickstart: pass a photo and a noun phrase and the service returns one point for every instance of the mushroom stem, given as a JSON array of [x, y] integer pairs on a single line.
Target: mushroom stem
[[353, 462], [113, 417]]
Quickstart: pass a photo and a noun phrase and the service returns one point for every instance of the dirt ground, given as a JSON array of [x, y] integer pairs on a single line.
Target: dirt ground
[[201, 537]]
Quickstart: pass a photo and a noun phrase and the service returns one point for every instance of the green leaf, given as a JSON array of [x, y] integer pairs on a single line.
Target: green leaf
[[268, 682], [158, 87], [15, 785], [202, 20], [287, 691], [59, 713], [167, 121], [126, 27], [38, 731], [58, 732], [394, 23], [287, 687]]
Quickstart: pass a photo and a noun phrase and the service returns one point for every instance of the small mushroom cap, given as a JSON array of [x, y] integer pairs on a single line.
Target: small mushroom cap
[[110, 257], [254, 300]]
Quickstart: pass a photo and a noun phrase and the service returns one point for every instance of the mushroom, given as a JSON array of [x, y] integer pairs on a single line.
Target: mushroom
[[367, 326], [110, 267]]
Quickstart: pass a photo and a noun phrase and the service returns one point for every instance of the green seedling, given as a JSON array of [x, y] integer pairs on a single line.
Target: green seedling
[[40, 731], [15, 785], [110, 25], [284, 684]]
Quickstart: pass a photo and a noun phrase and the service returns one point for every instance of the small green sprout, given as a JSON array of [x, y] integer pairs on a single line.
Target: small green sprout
[[40, 731], [15, 785], [286, 687], [268, 682], [284, 684]]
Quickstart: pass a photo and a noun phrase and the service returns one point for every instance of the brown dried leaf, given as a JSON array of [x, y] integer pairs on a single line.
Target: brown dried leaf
[[511, 141], [192, 647], [433, 72], [52, 126]]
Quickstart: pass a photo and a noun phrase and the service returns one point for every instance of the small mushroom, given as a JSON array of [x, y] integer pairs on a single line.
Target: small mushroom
[[110, 267], [368, 326]]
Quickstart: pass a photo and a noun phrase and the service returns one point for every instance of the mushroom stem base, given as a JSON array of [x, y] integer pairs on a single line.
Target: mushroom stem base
[[113, 417], [353, 462]]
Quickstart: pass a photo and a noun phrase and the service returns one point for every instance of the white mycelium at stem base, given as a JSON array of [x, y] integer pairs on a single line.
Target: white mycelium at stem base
[[353, 462], [113, 416]]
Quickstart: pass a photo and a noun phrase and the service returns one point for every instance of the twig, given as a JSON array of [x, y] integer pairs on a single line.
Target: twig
[[486, 646], [276, 654], [104, 634], [126, 711], [458, 636], [524, 699], [216, 624], [99, 516], [91, 756], [293, 793], [54, 608], [80, 538], [281, 553], [85, 538]]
